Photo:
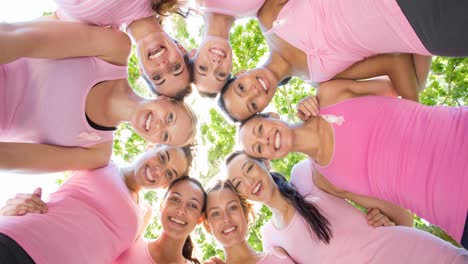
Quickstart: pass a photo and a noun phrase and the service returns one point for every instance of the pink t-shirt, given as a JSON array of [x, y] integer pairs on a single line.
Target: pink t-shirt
[[237, 9], [113, 13], [404, 152], [43, 101], [91, 219], [336, 34], [353, 241]]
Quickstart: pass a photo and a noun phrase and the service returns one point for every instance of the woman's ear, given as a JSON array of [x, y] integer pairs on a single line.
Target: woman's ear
[[267, 164], [181, 48], [192, 53], [239, 73], [273, 115], [206, 225]]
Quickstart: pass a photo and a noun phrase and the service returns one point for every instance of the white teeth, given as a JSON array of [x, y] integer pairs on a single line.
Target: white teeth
[[148, 121], [218, 52], [149, 176], [178, 221], [277, 140], [229, 230], [255, 191], [263, 83], [157, 53]]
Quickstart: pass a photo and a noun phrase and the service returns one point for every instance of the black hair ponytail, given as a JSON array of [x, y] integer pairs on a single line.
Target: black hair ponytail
[[318, 224], [188, 250]]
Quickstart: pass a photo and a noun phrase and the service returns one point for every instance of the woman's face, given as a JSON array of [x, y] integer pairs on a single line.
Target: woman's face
[[226, 218], [164, 121], [182, 209], [158, 167], [162, 62], [213, 64], [250, 93], [267, 138], [251, 178]]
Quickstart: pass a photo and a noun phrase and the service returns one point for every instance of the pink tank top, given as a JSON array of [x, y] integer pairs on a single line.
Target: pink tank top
[[113, 13], [45, 100], [336, 34], [273, 257], [403, 152], [353, 241], [237, 9], [91, 219]]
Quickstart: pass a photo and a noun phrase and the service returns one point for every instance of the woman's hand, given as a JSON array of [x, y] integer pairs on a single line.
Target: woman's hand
[[214, 260], [23, 204], [375, 218], [307, 107]]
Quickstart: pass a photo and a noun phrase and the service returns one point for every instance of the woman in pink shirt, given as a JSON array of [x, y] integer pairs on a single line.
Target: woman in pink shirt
[[94, 216], [351, 237], [59, 109], [182, 209], [228, 217], [162, 61], [392, 149]]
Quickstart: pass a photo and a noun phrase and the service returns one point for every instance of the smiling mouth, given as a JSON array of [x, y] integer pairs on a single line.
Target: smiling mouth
[[157, 53], [229, 230], [256, 190], [177, 221], [149, 175], [277, 145], [218, 52], [149, 118], [263, 83]]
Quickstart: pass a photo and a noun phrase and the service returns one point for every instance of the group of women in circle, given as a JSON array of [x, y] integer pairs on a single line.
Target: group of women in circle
[[64, 89]]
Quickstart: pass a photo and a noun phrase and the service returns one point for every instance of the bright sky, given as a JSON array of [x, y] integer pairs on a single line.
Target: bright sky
[[10, 184]]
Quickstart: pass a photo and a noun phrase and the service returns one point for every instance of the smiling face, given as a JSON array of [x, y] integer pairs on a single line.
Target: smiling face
[[212, 64], [250, 93], [268, 138], [162, 62], [159, 166], [251, 178], [164, 121], [181, 210], [226, 218]]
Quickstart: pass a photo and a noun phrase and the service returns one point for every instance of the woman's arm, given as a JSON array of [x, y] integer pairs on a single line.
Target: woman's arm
[[394, 212], [30, 157], [398, 67], [48, 39]]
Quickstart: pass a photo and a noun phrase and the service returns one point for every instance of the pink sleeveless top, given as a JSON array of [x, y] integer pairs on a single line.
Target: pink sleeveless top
[[353, 240], [403, 152], [113, 13], [237, 9], [336, 34], [91, 219], [44, 100]]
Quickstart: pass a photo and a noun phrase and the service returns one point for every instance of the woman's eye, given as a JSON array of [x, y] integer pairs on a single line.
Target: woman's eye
[[254, 105], [222, 74], [193, 205], [170, 118], [157, 77], [165, 137], [214, 214], [162, 158], [249, 168], [203, 68], [260, 130], [176, 67], [241, 87], [170, 175], [174, 199], [259, 149], [232, 208]]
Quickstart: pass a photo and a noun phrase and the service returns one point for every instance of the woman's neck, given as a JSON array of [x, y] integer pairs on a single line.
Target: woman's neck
[[166, 249], [241, 253], [111, 103], [309, 130], [128, 175], [138, 29], [278, 66], [281, 208], [218, 25]]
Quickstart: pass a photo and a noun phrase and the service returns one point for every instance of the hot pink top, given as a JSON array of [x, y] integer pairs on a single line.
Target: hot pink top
[[43, 101], [353, 241], [91, 219], [237, 9], [403, 152], [274, 257], [113, 13], [336, 34]]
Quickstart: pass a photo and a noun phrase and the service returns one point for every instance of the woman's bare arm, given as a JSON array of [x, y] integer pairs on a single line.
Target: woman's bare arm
[[31, 157], [49, 39]]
